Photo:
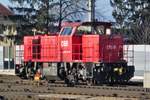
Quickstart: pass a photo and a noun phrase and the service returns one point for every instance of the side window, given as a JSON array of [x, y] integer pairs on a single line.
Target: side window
[[100, 29], [66, 31], [83, 30], [89, 29]]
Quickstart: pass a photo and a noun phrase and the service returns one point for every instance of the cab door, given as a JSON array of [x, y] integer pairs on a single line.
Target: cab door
[[65, 40]]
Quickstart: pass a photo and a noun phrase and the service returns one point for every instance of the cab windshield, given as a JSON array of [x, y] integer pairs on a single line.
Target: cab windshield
[[67, 31]]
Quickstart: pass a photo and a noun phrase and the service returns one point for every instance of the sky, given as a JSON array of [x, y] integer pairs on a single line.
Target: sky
[[5, 2], [105, 9]]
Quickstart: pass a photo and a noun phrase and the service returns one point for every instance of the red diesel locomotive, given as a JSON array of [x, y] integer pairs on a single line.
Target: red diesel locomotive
[[84, 51]]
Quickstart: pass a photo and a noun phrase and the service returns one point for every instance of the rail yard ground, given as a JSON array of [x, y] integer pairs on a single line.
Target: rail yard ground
[[14, 88]]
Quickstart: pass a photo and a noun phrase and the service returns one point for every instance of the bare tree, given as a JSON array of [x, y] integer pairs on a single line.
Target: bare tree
[[55, 10], [140, 30], [68, 9], [133, 17]]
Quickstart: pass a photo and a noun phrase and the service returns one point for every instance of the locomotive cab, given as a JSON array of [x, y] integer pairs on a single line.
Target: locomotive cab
[[72, 37], [76, 28]]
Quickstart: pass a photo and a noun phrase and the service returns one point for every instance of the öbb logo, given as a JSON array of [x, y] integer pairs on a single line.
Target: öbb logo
[[64, 43]]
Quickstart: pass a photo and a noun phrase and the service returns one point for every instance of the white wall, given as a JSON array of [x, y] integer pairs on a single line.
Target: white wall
[[141, 56], [141, 61]]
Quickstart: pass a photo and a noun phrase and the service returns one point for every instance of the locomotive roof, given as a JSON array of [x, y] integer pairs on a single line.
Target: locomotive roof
[[73, 24]]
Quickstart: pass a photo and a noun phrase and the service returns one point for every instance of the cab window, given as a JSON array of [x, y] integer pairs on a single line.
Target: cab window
[[83, 30], [90, 30], [67, 31]]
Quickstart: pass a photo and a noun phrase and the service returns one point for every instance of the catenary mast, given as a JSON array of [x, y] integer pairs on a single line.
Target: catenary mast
[[91, 14]]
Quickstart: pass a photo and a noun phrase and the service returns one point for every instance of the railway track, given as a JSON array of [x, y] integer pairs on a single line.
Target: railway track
[[34, 88], [125, 91], [77, 90]]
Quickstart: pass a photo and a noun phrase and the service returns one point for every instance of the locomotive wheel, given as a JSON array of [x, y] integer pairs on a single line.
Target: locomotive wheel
[[70, 80], [89, 82], [62, 73]]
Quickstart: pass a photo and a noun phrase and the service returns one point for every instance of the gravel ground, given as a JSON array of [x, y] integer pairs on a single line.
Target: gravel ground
[[13, 88]]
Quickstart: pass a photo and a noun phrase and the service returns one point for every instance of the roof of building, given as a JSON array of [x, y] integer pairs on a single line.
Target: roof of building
[[5, 11]]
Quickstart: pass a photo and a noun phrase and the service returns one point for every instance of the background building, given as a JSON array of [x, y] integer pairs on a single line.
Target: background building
[[8, 33], [7, 27]]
